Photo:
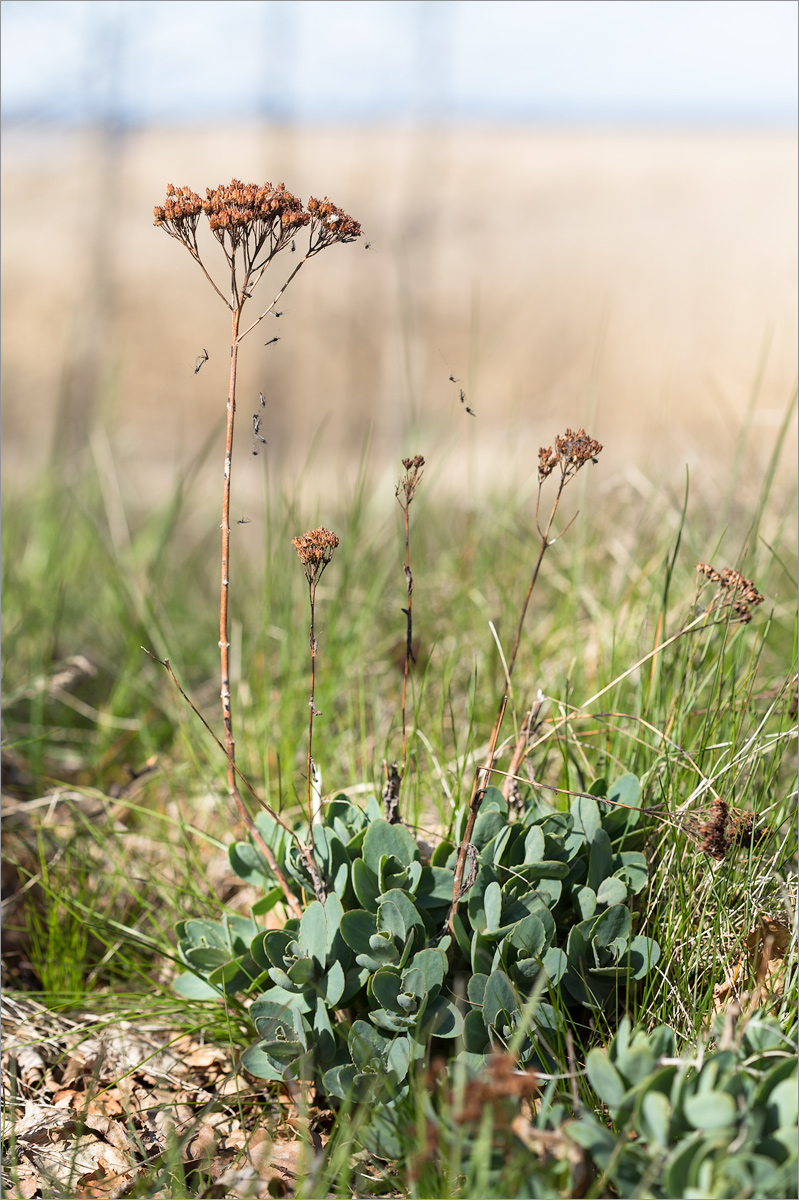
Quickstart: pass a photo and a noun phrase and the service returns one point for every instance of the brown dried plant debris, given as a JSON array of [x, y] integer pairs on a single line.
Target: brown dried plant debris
[[724, 832], [502, 1087], [570, 452], [92, 1107], [763, 963], [733, 591]]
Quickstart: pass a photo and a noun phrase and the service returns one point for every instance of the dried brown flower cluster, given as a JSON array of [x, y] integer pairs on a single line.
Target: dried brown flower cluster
[[406, 488], [570, 452], [733, 591], [724, 832], [180, 211], [240, 211], [333, 223], [315, 550]]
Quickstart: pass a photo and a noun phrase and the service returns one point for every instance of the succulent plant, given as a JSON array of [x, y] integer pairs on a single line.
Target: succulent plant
[[720, 1123], [352, 992]]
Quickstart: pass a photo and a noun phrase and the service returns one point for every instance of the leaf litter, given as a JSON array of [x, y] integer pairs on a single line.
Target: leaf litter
[[91, 1108]]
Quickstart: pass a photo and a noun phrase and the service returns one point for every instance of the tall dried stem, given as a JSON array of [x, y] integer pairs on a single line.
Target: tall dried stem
[[405, 492], [315, 550], [224, 643], [252, 224], [570, 452]]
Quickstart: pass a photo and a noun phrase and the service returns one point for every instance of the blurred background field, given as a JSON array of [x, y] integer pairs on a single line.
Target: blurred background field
[[639, 282], [585, 212]]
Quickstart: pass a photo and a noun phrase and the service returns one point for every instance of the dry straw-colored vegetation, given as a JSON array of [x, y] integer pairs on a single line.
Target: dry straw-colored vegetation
[[639, 283]]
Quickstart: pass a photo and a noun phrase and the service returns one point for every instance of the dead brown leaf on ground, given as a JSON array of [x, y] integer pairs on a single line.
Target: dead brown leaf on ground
[[763, 962]]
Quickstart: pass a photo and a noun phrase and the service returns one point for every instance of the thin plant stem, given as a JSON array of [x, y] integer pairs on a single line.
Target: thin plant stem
[[311, 706], [315, 550], [252, 225], [405, 492], [408, 640], [224, 643], [481, 775], [570, 452]]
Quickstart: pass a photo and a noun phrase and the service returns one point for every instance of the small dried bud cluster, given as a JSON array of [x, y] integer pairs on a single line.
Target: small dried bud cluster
[[733, 591], [723, 833], [570, 452], [406, 488], [334, 224], [315, 550], [243, 206], [180, 211]]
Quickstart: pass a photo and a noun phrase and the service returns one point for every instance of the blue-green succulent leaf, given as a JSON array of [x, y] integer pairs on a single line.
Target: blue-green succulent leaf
[[492, 903], [364, 883], [385, 839], [600, 864], [192, 987], [357, 927], [586, 818], [611, 891], [313, 934], [499, 996]]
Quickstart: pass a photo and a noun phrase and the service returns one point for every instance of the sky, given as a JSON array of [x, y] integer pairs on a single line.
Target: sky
[[585, 61]]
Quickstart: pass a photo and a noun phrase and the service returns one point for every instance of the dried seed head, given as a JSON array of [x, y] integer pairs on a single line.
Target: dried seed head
[[725, 832], [179, 213], [331, 224], [262, 215], [714, 831], [406, 488], [570, 452], [237, 209], [315, 550], [501, 1082], [734, 591]]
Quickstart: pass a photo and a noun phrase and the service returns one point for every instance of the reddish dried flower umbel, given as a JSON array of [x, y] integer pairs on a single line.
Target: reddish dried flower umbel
[[733, 591], [253, 214], [570, 452], [315, 550]]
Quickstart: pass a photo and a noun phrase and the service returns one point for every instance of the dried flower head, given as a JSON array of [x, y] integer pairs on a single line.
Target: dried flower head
[[406, 488], [570, 452], [258, 217], [733, 591], [315, 550], [179, 213], [261, 212], [330, 224]]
